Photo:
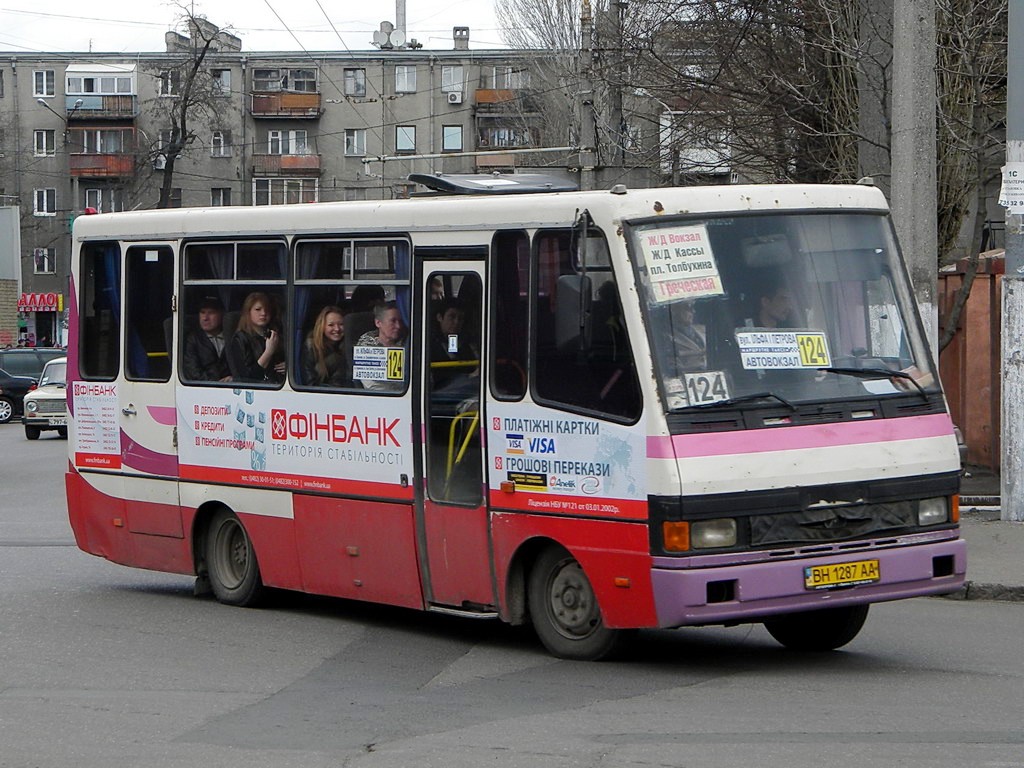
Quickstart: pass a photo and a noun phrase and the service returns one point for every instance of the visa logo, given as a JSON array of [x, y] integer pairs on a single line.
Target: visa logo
[[542, 445], [515, 443]]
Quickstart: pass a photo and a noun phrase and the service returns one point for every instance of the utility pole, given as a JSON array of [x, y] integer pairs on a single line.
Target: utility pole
[[1012, 198], [914, 154], [616, 118], [588, 130]]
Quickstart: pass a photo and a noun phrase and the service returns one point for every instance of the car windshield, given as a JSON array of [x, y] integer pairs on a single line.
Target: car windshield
[[779, 307], [54, 373]]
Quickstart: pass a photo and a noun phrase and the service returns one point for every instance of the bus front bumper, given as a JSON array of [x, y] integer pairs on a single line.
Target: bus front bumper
[[696, 590]]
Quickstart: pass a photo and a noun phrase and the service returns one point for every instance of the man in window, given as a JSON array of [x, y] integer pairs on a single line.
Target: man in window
[[204, 350], [379, 356]]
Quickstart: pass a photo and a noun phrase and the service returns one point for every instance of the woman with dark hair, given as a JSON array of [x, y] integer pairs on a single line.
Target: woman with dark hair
[[255, 352], [323, 357]]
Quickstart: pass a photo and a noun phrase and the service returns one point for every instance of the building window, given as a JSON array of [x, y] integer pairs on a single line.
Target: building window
[[42, 82], [297, 80], [220, 196], [221, 82], [103, 86], [451, 78], [405, 78], [355, 141], [44, 261], [287, 143], [104, 200], [112, 141], [451, 138], [405, 138], [220, 144], [355, 82], [301, 80], [502, 136], [283, 191], [170, 83], [505, 77], [266, 80], [175, 201], [45, 202], [165, 138], [44, 143]]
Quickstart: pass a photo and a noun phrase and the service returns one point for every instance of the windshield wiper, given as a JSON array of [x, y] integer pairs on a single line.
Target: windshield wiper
[[747, 399], [877, 373]]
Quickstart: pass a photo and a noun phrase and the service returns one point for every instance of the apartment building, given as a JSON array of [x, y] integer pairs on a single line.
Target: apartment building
[[85, 131]]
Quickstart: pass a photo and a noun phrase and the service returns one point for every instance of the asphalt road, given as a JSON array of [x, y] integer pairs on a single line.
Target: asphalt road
[[103, 666]]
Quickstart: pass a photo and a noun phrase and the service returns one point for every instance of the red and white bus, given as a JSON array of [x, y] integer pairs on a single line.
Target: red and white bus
[[657, 408]]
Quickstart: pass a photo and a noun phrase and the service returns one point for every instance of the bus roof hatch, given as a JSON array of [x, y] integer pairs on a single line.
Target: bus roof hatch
[[492, 184]]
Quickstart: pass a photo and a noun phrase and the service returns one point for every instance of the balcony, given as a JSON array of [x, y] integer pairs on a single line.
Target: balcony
[[286, 165], [97, 166], [101, 107], [286, 104], [504, 101]]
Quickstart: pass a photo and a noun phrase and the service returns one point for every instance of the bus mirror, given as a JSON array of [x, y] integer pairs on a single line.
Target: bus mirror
[[766, 251]]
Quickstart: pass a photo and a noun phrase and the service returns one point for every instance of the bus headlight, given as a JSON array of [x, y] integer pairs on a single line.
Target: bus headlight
[[932, 511], [713, 534]]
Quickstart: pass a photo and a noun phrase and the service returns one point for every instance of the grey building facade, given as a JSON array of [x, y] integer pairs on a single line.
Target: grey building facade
[[82, 131]]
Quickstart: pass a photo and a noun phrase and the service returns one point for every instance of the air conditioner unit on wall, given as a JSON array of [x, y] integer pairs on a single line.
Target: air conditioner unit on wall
[[454, 97], [160, 162]]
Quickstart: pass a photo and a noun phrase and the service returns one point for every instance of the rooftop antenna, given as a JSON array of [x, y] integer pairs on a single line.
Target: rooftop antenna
[[387, 37]]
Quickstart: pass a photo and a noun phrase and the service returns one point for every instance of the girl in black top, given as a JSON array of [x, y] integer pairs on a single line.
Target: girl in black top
[[255, 352]]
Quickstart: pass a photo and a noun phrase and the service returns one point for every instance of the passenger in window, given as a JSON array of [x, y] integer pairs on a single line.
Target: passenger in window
[[255, 353], [366, 296], [449, 344], [323, 354], [688, 342], [774, 306], [205, 350], [382, 373]]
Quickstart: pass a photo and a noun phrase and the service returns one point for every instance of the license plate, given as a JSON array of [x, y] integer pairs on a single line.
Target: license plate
[[57, 421], [842, 574]]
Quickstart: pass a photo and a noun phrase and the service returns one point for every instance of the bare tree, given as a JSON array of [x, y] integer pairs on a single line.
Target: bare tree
[[187, 92], [972, 88]]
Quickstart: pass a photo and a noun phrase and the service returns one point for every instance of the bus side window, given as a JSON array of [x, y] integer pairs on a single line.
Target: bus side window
[[100, 306], [149, 286], [582, 356], [510, 288]]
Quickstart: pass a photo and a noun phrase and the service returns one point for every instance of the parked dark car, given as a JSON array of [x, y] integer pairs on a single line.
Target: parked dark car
[[12, 393], [28, 361]]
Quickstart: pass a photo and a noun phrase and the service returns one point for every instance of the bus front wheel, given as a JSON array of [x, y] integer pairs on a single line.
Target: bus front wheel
[[823, 630], [231, 561], [564, 609]]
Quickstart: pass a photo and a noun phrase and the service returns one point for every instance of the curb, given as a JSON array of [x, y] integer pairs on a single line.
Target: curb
[[973, 590]]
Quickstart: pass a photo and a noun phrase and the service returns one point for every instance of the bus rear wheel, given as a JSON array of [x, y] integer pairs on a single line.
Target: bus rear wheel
[[823, 630], [231, 561], [564, 609]]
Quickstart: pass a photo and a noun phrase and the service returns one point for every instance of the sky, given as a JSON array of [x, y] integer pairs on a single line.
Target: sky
[[264, 25]]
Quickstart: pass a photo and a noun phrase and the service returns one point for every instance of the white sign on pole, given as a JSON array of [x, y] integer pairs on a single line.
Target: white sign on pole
[[1011, 192]]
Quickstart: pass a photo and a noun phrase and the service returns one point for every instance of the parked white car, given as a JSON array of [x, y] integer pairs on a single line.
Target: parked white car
[[46, 407]]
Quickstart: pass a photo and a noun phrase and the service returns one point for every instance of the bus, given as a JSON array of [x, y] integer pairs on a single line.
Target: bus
[[659, 408]]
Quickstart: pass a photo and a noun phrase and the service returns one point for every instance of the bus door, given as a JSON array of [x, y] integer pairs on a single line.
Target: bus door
[[146, 405], [454, 528]]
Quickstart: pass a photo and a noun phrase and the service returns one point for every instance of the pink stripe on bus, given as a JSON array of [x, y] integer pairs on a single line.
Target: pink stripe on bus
[[163, 414], [792, 438]]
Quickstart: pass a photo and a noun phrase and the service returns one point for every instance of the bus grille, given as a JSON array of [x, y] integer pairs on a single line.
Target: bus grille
[[837, 523]]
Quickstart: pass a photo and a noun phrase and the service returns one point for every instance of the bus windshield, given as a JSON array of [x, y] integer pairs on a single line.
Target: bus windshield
[[780, 308]]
